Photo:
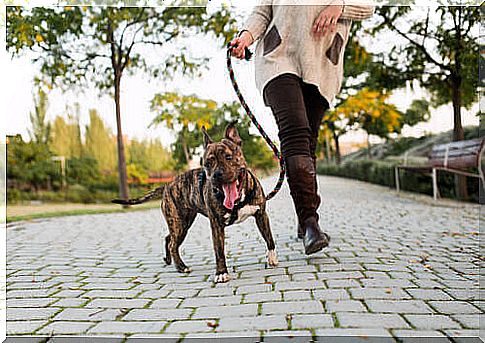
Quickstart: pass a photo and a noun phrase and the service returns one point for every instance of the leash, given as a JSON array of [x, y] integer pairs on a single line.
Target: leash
[[276, 152]]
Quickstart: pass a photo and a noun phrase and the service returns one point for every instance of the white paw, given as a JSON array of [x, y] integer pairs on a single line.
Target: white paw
[[221, 278], [272, 258], [187, 270]]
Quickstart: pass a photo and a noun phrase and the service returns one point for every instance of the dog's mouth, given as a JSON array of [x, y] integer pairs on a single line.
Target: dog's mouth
[[232, 191]]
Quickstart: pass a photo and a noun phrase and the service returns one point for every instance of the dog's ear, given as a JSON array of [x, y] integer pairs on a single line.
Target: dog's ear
[[207, 139], [232, 134]]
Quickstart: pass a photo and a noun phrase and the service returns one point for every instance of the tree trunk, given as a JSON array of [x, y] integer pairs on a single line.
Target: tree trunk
[[368, 147], [327, 148], [458, 135], [186, 151], [337, 148], [123, 179]]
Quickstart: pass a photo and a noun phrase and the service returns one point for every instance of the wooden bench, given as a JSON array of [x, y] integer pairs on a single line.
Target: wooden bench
[[454, 157]]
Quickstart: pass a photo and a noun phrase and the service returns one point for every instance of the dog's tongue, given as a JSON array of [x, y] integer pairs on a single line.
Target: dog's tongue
[[230, 194]]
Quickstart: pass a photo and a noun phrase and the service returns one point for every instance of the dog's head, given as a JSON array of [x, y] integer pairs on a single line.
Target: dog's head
[[225, 165]]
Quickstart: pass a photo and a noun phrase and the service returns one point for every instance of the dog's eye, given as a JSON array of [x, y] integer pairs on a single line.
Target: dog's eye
[[228, 157]]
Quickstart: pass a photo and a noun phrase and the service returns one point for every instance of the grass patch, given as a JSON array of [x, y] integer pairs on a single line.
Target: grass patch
[[76, 212]]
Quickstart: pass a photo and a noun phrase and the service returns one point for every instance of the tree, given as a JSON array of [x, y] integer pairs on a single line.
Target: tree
[[417, 112], [369, 111], [101, 44], [187, 114], [100, 143], [440, 49], [66, 137], [40, 126]]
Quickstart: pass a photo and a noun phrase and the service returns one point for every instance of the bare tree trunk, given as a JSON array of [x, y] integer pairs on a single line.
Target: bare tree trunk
[[185, 150], [327, 147], [369, 155], [123, 179], [458, 135], [338, 157]]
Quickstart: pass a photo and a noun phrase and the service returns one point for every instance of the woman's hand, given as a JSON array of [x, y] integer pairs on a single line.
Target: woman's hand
[[240, 43], [327, 19]]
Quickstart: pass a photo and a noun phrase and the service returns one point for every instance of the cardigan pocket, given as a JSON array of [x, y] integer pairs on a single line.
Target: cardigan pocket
[[271, 41], [333, 53]]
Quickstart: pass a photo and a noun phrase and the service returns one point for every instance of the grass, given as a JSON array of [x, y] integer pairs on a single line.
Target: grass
[[17, 213]]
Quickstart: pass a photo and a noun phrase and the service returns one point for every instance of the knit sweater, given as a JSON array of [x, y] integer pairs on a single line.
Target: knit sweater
[[288, 45]]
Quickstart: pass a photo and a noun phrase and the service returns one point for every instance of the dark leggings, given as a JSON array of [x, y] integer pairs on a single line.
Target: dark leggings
[[298, 108]]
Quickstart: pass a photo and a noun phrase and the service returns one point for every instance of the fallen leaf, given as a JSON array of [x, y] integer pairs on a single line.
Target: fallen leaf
[[388, 290], [212, 324]]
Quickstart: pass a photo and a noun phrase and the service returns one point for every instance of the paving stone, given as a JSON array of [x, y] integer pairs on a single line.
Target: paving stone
[[117, 303], [60, 328], [30, 313], [165, 303], [182, 293], [189, 326], [157, 314], [345, 283], [262, 297], [363, 333], [248, 289], [378, 293], [274, 322], [115, 294], [398, 306], [371, 320], [87, 314], [309, 306], [128, 327], [23, 327], [304, 321], [431, 322], [212, 301], [344, 306], [470, 321], [69, 302], [428, 294], [330, 294], [454, 307], [30, 302], [418, 336], [299, 285], [297, 295]]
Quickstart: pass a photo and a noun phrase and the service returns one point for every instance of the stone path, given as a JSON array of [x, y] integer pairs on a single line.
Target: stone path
[[398, 267]]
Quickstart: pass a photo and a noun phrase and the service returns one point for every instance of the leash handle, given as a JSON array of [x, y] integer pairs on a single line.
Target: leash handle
[[247, 53], [276, 152]]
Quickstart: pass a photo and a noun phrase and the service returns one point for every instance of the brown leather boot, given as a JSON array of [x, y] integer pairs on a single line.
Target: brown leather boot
[[300, 232], [302, 181]]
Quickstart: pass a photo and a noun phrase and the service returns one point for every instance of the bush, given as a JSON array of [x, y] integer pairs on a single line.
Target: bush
[[382, 173]]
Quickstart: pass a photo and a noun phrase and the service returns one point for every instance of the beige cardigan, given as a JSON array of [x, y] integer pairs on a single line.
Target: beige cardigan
[[288, 44]]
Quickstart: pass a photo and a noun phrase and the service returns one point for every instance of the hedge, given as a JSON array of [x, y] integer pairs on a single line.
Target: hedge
[[382, 173]]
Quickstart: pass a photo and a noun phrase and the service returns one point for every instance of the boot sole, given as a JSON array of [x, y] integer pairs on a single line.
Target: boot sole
[[318, 245]]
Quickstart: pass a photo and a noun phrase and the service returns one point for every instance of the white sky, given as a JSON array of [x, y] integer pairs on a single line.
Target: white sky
[[17, 90]]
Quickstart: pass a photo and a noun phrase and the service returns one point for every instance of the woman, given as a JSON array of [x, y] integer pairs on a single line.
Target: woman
[[299, 69]]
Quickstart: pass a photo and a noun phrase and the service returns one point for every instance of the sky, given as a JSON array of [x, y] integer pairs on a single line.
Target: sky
[[17, 93]]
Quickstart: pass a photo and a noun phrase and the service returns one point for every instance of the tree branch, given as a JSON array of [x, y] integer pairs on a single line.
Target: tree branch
[[419, 46]]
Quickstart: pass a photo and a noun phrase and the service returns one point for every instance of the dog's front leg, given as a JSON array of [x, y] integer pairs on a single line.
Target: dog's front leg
[[218, 243]]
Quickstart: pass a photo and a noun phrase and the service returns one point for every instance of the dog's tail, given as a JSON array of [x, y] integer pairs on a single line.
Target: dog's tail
[[153, 194]]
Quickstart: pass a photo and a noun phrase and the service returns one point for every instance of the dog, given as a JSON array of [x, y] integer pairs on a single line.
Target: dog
[[223, 190]]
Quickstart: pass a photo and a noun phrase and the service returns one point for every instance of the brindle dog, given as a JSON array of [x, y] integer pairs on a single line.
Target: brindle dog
[[224, 190]]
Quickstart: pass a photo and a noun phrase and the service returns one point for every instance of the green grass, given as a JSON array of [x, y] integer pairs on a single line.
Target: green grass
[[42, 215]]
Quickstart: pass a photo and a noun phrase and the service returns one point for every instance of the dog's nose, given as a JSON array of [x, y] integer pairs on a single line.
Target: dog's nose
[[218, 174]]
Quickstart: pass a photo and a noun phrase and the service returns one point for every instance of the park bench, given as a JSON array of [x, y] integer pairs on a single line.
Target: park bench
[[455, 157]]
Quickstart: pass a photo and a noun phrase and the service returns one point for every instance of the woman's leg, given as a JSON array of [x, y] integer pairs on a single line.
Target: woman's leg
[[285, 97]]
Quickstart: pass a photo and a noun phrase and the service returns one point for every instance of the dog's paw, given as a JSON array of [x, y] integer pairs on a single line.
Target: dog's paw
[[183, 269], [221, 278], [272, 258]]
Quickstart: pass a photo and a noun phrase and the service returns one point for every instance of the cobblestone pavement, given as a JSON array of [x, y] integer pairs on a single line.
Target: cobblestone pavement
[[398, 267]]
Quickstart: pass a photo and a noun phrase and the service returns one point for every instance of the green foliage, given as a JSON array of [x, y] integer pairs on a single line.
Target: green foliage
[[416, 113], [82, 171], [66, 137], [185, 115], [149, 156], [40, 132], [382, 173], [440, 52], [100, 143], [30, 165], [76, 44]]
